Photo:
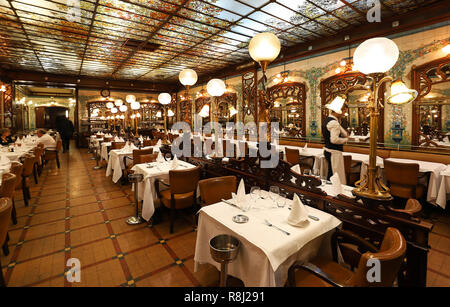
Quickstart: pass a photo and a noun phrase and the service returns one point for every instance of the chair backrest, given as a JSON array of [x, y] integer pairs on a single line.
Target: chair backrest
[[149, 143], [184, 181], [16, 169], [390, 255], [292, 155], [28, 163], [214, 189], [5, 216], [8, 185], [347, 167], [117, 145], [58, 145], [401, 173], [146, 158], [140, 152]]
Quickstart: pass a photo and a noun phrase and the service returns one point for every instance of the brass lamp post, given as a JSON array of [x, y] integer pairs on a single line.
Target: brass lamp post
[[165, 99], [215, 88], [375, 56], [188, 77], [264, 48], [135, 106]]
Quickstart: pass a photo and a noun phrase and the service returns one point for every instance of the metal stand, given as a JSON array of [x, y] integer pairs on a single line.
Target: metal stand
[[97, 166], [224, 249], [135, 179]]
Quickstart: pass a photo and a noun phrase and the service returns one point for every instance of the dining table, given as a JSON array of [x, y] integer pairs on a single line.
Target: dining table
[[443, 194], [116, 163], [151, 172], [265, 253]]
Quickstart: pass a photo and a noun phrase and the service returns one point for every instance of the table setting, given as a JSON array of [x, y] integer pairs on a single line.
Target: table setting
[[274, 231], [152, 171]]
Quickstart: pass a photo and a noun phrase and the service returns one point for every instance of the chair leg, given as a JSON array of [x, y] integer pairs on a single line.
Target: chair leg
[[24, 192], [35, 174], [2, 279], [172, 215], [57, 160], [5, 246], [13, 213]]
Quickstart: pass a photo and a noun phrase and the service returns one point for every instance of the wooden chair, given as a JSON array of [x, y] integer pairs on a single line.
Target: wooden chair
[[7, 190], [292, 156], [148, 143], [135, 159], [5, 213], [27, 171], [16, 169], [38, 153], [403, 179], [141, 159], [182, 192], [117, 145], [326, 273], [213, 190], [53, 154]]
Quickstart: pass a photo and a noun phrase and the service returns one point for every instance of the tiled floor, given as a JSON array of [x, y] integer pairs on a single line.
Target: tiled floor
[[76, 212]]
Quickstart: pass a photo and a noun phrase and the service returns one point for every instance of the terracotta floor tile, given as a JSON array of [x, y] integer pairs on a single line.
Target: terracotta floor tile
[[117, 201], [136, 239], [88, 234], [108, 274], [183, 246], [45, 230], [206, 275], [95, 252], [83, 200], [86, 220], [36, 248], [148, 260], [173, 277], [50, 207], [52, 198]]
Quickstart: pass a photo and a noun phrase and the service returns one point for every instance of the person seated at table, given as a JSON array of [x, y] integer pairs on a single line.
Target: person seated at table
[[45, 138], [334, 134], [5, 137]]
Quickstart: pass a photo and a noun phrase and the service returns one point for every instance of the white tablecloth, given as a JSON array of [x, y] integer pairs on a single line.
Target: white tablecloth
[[444, 188], [265, 253], [104, 150], [116, 164], [146, 190]]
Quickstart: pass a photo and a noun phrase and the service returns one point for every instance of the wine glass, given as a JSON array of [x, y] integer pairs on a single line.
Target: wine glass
[[307, 172], [255, 193], [282, 200], [168, 157], [274, 193], [316, 173]]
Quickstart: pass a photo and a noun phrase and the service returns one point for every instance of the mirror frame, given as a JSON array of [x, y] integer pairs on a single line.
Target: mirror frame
[[423, 85], [296, 90], [342, 84]]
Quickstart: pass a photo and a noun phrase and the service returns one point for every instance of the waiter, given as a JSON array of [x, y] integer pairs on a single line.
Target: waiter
[[334, 134]]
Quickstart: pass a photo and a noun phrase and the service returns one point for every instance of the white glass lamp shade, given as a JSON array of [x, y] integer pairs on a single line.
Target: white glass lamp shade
[[110, 105], [376, 55], [401, 94], [170, 113], [216, 87], [446, 49], [135, 105], [336, 105], [205, 111], [122, 116], [130, 98], [114, 110], [96, 111], [123, 108], [118, 102], [133, 116], [188, 77], [159, 114], [164, 98], [264, 47]]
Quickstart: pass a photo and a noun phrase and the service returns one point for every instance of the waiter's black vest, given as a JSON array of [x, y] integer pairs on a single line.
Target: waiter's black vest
[[327, 136]]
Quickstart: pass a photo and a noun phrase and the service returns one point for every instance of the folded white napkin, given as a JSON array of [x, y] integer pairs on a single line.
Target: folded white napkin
[[352, 134], [239, 197], [174, 163], [296, 168], [298, 215], [446, 140], [336, 183], [159, 143], [132, 146], [141, 139]]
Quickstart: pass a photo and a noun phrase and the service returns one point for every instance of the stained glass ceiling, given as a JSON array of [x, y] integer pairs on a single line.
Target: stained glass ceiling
[[53, 36]]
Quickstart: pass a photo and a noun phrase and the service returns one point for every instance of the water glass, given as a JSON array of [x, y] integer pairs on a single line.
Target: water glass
[[316, 173], [274, 193], [281, 203], [307, 172], [255, 193]]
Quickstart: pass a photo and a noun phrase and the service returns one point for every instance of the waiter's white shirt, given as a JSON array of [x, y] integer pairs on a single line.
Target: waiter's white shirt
[[47, 140], [338, 135]]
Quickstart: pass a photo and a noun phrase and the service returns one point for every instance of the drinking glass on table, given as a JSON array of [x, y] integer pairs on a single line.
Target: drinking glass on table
[[255, 193], [274, 193], [281, 203], [307, 172], [316, 173], [168, 157]]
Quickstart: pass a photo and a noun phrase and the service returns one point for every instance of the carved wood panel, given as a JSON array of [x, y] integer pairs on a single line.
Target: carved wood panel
[[249, 95]]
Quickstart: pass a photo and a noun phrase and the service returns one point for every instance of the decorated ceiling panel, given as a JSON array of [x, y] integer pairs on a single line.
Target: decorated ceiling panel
[[153, 40]]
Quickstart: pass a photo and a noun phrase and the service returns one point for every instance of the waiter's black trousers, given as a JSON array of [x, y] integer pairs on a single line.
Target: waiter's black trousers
[[330, 169]]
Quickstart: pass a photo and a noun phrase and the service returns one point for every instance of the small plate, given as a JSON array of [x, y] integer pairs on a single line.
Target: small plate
[[240, 219]]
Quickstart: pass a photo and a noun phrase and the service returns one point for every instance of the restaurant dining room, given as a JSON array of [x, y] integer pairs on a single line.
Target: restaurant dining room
[[227, 144]]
